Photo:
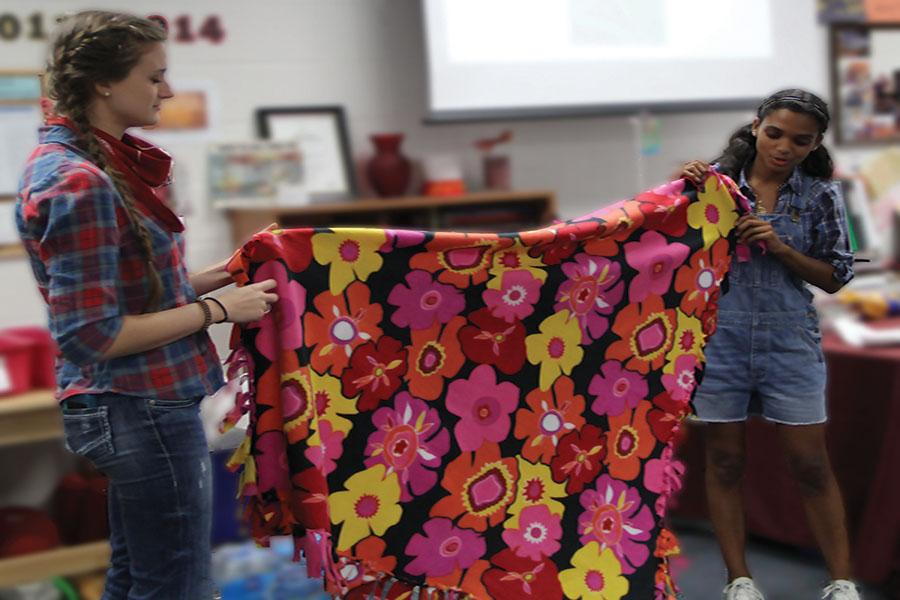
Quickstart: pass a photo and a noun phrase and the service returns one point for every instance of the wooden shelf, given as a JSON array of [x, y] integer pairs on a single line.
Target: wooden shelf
[[30, 417], [386, 212], [59, 562], [12, 251]]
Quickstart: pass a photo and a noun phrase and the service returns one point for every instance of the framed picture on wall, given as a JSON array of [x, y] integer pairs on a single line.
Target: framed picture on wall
[[321, 132], [865, 82]]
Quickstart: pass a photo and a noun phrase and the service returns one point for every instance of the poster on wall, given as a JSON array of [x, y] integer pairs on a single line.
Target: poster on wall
[[882, 11], [860, 11], [253, 173], [18, 137], [831, 11], [865, 79], [190, 115]]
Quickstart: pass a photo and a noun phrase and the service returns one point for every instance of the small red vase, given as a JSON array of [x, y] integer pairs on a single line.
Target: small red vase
[[389, 171]]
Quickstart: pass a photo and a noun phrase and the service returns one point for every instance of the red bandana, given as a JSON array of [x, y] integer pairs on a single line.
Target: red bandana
[[146, 168]]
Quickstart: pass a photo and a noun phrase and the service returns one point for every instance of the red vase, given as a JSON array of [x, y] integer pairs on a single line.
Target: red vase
[[389, 171]]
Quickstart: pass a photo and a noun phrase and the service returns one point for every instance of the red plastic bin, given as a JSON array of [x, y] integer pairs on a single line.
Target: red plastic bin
[[43, 357], [26, 360], [15, 364]]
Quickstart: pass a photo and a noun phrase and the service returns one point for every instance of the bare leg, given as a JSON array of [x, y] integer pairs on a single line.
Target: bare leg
[[725, 454], [811, 469]]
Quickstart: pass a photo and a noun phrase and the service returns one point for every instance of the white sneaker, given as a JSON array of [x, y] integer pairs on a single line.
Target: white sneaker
[[742, 588], [840, 589]]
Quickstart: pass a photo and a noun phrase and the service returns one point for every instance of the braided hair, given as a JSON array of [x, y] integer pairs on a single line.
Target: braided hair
[[102, 47], [741, 148]]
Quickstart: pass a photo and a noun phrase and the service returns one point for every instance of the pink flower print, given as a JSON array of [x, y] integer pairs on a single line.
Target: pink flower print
[[616, 388], [655, 259], [615, 518], [484, 407], [673, 189], [663, 476], [401, 238], [515, 300], [538, 533], [271, 462], [681, 384], [592, 290], [410, 441], [281, 328], [423, 300], [443, 549], [329, 449]]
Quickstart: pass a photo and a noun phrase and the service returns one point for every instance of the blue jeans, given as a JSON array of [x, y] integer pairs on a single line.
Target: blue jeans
[[155, 455]]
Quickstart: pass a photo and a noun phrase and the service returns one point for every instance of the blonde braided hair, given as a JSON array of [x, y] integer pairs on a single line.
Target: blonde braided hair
[[102, 47]]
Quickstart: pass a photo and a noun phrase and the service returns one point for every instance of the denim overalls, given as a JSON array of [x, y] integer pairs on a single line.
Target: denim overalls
[[765, 357]]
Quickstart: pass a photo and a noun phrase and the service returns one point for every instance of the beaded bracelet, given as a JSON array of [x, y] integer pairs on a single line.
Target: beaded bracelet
[[222, 306], [207, 313]]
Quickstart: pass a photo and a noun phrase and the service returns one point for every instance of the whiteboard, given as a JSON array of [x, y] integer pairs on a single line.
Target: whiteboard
[[497, 57]]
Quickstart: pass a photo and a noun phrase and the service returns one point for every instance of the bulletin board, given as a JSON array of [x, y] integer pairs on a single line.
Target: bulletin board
[[20, 117]]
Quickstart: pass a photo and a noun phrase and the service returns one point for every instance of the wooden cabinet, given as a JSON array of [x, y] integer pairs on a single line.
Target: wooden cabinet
[[35, 417], [485, 211]]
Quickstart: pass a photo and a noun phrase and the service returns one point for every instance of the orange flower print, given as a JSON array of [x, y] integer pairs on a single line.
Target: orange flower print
[[344, 321], [481, 485], [646, 332], [459, 259], [550, 415], [434, 355], [701, 278], [629, 440]]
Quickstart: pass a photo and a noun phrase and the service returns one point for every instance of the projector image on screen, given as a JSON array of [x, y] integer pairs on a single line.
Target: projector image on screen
[[491, 58]]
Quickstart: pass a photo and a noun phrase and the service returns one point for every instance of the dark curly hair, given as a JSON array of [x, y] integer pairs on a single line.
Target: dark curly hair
[[741, 147]]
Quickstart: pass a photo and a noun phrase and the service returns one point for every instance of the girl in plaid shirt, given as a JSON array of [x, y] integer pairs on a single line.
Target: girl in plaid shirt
[[107, 254], [766, 355]]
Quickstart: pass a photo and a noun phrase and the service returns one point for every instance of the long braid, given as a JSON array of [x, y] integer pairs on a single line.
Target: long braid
[[92, 47], [95, 151]]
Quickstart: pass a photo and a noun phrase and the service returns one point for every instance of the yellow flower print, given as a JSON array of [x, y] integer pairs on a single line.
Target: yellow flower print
[[514, 258], [368, 505], [330, 404], [714, 212], [597, 575], [689, 339], [352, 254], [556, 349], [536, 486]]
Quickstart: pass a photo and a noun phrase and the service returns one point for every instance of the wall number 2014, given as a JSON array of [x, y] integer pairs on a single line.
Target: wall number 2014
[[182, 29]]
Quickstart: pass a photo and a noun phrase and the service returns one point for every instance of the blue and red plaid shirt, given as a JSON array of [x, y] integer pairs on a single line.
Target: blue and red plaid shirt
[[819, 206], [86, 259]]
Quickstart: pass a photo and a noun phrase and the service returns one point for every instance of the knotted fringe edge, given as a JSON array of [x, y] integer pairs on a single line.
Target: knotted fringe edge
[[316, 546]]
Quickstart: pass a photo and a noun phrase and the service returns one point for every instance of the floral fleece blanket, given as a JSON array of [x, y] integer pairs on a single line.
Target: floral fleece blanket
[[451, 415]]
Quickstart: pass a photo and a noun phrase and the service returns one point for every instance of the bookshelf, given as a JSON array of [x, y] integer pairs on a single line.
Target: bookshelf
[[484, 211]]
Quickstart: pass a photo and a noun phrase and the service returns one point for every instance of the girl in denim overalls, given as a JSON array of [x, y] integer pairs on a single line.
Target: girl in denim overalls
[[766, 355]]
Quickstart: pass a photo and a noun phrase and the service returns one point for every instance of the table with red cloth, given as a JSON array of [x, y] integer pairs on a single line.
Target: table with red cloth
[[864, 446]]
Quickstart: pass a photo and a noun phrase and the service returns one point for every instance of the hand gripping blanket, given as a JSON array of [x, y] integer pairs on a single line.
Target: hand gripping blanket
[[489, 416]]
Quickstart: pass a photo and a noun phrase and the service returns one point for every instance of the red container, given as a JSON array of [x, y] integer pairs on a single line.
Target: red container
[[389, 170], [15, 364], [43, 355], [26, 530]]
